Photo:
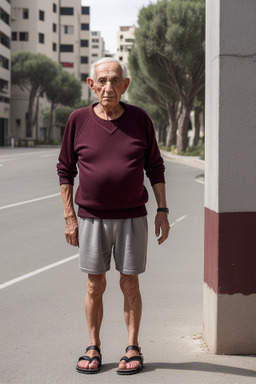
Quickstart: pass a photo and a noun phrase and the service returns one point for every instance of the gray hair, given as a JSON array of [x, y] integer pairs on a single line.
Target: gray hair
[[108, 60]]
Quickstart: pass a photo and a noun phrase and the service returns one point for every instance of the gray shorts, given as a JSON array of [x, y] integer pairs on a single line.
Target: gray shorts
[[125, 239]]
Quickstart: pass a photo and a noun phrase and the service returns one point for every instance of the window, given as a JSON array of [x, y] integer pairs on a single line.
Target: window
[[41, 15], [95, 46], [84, 43], [84, 76], [23, 36], [54, 47], [66, 48], [5, 40], [68, 11], [95, 40], [120, 58], [85, 10], [41, 38], [4, 16], [54, 7], [14, 36], [54, 27], [94, 33], [4, 86], [18, 123], [69, 29], [84, 59], [25, 13], [4, 62], [85, 27], [95, 55]]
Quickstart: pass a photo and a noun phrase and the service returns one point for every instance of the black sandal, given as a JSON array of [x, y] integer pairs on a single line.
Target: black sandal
[[90, 359], [139, 358]]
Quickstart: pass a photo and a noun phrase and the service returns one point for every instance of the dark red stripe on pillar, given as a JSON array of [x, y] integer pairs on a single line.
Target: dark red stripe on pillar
[[230, 252]]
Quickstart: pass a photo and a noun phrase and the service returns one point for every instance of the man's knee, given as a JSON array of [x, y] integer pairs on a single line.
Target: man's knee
[[96, 285], [129, 284]]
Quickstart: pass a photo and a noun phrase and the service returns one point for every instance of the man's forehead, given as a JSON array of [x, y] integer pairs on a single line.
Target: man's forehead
[[108, 69]]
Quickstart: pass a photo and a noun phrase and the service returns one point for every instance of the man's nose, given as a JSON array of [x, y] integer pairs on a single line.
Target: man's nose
[[108, 86]]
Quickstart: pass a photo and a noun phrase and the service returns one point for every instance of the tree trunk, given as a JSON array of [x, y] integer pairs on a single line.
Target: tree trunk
[[196, 126], [182, 138], [171, 130], [29, 123], [49, 131]]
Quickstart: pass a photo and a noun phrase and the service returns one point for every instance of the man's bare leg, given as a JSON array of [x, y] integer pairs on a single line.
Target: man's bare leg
[[96, 286], [132, 312]]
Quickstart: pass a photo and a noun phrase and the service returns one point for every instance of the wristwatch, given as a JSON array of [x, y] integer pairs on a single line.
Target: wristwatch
[[166, 210]]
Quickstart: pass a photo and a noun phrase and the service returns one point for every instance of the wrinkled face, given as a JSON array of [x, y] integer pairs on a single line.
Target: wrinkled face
[[108, 84]]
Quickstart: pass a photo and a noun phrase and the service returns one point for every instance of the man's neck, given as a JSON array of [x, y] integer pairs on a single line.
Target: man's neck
[[109, 113]]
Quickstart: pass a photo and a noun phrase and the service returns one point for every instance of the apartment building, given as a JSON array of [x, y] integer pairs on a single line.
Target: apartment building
[[60, 29], [5, 75], [75, 40], [97, 46], [125, 40]]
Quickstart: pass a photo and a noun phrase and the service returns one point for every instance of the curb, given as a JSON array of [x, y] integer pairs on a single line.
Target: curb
[[193, 161]]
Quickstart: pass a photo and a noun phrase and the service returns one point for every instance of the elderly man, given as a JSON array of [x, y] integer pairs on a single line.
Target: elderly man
[[112, 143]]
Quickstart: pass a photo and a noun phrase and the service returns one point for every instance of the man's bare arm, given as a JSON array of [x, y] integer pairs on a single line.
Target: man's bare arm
[[162, 226], [71, 229]]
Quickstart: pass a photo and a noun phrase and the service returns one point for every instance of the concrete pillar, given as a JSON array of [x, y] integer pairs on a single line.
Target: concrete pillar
[[230, 177]]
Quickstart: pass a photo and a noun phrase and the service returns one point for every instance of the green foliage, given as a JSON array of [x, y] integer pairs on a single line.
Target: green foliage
[[64, 89], [170, 55], [32, 72], [38, 74]]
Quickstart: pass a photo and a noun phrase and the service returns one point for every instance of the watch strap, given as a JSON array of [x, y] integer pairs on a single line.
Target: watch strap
[[166, 210]]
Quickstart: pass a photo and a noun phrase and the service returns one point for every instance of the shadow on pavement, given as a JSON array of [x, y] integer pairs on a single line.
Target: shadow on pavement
[[197, 366]]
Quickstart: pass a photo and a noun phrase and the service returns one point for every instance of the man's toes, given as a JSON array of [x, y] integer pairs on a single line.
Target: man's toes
[[122, 364], [83, 364], [133, 364], [93, 365]]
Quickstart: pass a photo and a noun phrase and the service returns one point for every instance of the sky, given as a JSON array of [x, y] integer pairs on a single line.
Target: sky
[[108, 15]]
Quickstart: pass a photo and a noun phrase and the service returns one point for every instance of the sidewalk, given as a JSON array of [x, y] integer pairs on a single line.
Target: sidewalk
[[193, 161]]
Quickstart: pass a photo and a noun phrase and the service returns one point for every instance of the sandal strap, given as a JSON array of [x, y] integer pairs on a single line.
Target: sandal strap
[[90, 359], [93, 347], [133, 358], [134, 348]]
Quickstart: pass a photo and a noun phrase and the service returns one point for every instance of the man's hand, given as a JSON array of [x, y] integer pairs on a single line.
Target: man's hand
[[71, 231], [162, 227]]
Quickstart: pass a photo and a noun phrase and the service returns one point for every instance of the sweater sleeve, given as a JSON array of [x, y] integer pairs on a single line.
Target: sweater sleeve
[[154, 165], [66, 166]]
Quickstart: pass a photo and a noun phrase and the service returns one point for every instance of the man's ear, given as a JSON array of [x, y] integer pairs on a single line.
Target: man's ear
[[90, 82], [126, 84]]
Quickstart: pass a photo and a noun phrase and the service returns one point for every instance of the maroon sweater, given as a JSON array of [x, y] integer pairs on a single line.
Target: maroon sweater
[[111, 158]]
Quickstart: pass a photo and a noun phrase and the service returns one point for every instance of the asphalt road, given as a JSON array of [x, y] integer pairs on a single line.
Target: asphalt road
[[43, 330]]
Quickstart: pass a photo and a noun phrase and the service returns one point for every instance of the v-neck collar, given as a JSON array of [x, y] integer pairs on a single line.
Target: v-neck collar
[[109, 126]]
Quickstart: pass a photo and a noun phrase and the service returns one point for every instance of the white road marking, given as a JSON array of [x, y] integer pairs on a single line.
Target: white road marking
[[4, 160], [29, 201], [28, 275], [178, 220], [52, 155], [31, 274], [17, 155], [181, 218]]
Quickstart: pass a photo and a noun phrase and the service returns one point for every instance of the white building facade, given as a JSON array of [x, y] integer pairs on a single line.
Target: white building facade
[[125, 41], [5, 74], [60, 29]]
